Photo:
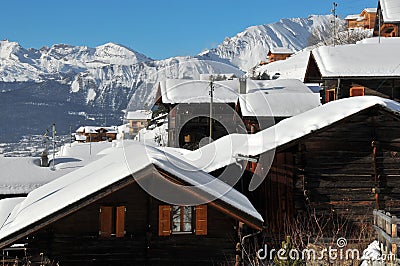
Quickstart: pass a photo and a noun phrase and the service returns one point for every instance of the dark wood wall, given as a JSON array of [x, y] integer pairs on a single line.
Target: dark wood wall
[[347, 169], [75, 239]]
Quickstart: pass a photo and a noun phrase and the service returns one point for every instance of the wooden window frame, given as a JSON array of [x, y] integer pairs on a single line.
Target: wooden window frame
[[112, 221], [327, 93], [199, 220]]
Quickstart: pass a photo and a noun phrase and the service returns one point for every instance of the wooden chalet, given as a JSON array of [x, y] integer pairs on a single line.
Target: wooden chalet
[[102, 214], [137, 120], [239, 106], [339, 159], [95, 134], [279, 53], [387, 23], [366, 68], [188, 105], [364, 20]]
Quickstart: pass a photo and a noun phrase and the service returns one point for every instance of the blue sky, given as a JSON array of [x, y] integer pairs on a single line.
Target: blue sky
[[158, 29]]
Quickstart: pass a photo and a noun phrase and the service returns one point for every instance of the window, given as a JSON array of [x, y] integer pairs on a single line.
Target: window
[[330, 95], [356, 91], [112, 221], [182, 219]]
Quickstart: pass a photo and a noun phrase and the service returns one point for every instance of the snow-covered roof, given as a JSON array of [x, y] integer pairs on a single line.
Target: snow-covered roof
[[260, 104], [95, 129], [390, 11], [285, 97], [6, 206], [139, 115], [197, 91], [293, 67], [352, 17], [280, 50], [220, 153], [359, 60], [370, 10], [64, 191], [278, 98]]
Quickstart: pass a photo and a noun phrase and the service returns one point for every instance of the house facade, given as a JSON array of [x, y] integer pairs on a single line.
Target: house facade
[[365, 68], [102, 214], [137, 120], [387, 23], [95, 134], [364, 20], [279, 53]]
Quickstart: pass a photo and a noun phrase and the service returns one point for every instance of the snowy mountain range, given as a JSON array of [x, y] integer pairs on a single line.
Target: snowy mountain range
[[74, 85]]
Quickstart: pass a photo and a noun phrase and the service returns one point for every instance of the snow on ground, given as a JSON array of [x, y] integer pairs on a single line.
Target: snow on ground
[[20, 175], [293, 67], [372, 255], [154, 135]]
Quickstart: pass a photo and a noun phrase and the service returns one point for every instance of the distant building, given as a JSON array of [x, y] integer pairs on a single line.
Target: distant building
[[365, 20], [388, 19], [137, 120], [279, 53], [366, 68], [95, 134]]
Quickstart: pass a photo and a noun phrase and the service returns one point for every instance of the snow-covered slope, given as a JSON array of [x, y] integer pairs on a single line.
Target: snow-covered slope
[[249, 47], [59, 61]]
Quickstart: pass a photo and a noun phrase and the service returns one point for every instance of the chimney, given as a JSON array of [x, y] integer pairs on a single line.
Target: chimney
[[242, 85]]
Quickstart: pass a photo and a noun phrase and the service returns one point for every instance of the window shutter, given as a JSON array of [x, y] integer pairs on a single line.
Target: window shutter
[[356, 91], [201, 220], [105, 221], [120, 221], [164, 220]]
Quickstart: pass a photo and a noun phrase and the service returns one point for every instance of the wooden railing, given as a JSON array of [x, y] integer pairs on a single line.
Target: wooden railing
[[387, 227]]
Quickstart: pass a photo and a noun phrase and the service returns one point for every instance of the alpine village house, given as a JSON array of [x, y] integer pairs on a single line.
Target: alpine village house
[[299, 161]]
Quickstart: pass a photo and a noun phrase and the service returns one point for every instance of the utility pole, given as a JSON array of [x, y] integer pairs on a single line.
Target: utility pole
[[211, 105], [54, 147], [379, 25], [90, 141], [70, 135], [333, 11]]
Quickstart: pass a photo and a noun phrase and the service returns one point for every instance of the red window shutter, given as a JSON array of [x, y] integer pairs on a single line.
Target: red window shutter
[[164, 220], [356, 91], [105, 221], [120, 221], [201, 220]]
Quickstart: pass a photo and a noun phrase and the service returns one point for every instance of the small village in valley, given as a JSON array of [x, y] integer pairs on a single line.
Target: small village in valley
[[296, 162]]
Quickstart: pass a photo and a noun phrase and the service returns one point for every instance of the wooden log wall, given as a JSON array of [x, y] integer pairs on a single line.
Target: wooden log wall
[[75, 239], [348, 169]]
